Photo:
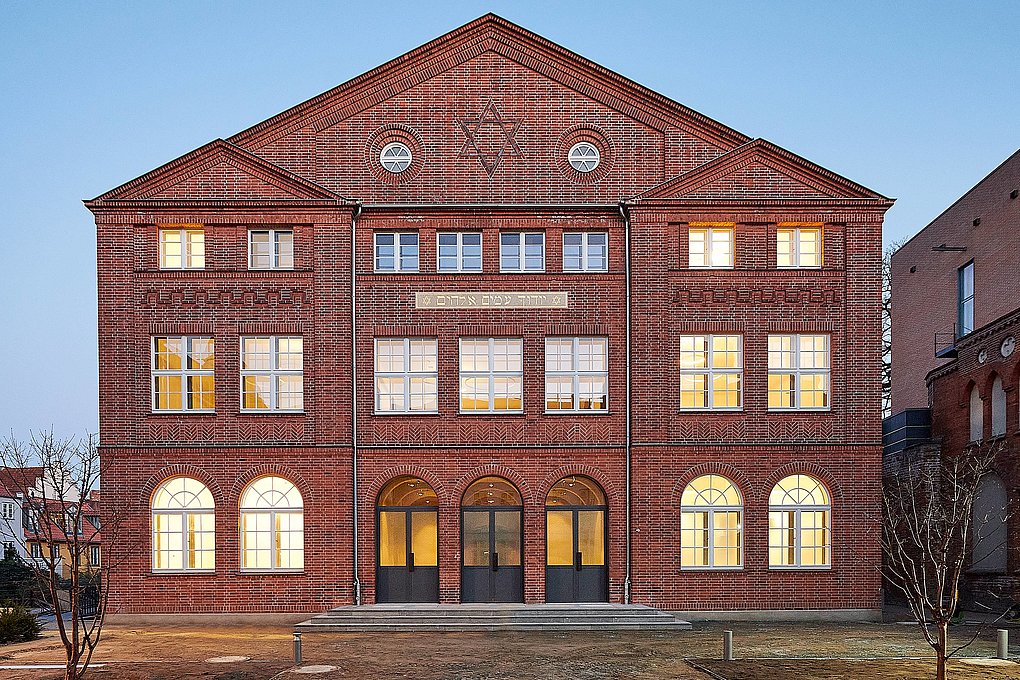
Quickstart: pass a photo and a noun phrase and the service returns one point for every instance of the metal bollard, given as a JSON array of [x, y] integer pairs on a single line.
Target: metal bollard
[[1002, 646], [727, 645], [297, 649]]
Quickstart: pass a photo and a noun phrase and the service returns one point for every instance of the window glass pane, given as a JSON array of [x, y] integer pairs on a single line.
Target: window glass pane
[[474, 394], [291, 392], [202, 355], [785, 255], [780, 390], [285, 249], [425, 539], [169, 392], [256, 354], [169, 353], [725, 351], [697, 246], [476, 539], [726, 390], [693, 351], [534, 251], [255, 392], [389, 394], [201, 392], [392, 539], [559, 393], [693, 390], [559, 538], [722, 247], [196, 249], [572, 251], [290, 353], [260, 250], [726, 539], [559, 354], [389, 356], [591, 392], [506, 394], [507, 538], [424, 394], [780, 351], [510, 251], [591, 537]]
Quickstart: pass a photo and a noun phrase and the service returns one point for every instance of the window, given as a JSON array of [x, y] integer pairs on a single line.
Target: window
[[272, 373], [491, 374], [6, 510], [272, 249], [583, 157], [798, 247], [94, 555], [396, 252], [36, 550], [710, 247], [989, 522], [522, 252], [183, 374], [977, 415], [799, 523], [585, 251], [94, 521], [576, 374], [711, 371], [798, 372], [395, 157], [272, 526], [181, 249], [711, 524], [183, 526], [460, 252], [998, 408], [406, 375], [965, 299]]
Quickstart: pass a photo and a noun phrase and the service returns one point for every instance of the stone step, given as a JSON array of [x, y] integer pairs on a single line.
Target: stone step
[[515, 626], [455, 620]]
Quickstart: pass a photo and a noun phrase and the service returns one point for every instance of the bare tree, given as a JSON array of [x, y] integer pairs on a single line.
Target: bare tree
[[57, 476], [887, 326]]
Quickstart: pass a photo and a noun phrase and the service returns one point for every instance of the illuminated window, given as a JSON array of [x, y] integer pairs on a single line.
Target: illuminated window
[[711, 371], [272, 526], [799, 247], [585, 251], [272, 249], [799, 524], [272, 373], [183, 374], [522, 251], [576, 374], [395, 157], [460, 252], [799, 372], [183, 527], [406, 375], [181, 249], [396, 251], [491, 374], [583, 157], [710, 247], [711, 524]]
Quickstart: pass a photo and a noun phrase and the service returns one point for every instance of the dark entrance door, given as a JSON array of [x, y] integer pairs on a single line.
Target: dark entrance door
[[407, 554], [576, 569], [492, 536]]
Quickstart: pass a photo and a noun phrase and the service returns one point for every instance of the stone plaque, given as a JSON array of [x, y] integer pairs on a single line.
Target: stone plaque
[[490, 301]]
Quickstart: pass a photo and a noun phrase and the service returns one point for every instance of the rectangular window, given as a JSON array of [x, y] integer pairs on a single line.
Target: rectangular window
[[94, 555], [181, 249], [36, 550], [711, 372], [799, 247], [271, 249], [522, 251], [6, 510], [576, 374], [459, 251], [406, 375], [183, 374], [965, 299], [710, 247], [798, 372], [396, 251], [272, 373], [585, 252], [491, 375]]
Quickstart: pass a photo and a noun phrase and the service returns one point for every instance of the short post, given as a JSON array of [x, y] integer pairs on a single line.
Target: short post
[[727, 645], [297, 648], [1002, 646]]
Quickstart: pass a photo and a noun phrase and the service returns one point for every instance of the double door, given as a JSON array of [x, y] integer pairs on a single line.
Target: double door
[[491, 553], [408, 561], [576, 555]]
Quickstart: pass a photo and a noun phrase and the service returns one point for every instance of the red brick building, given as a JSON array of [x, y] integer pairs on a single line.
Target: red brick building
[[605, 348]]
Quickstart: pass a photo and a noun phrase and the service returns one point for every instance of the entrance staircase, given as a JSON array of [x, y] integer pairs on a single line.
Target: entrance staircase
[[491, 617]]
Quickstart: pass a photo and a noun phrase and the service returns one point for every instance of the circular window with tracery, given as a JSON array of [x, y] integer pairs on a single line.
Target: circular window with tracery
[[583, 157], [395, 154], [584, 154], [395, 157]]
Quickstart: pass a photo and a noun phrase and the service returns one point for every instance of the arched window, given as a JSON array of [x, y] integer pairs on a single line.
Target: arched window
[[989, 531], [272, 526], [711, 524], [977, 416], [799, 523], [998, 408], [183, 526]]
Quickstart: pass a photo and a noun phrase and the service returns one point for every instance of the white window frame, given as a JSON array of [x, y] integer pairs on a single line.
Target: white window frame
[[460, 268], [95, 556], [710, 231], [575, 374], [189, 254], [35, 550], [710, 511], [7, 510], [521, 244], [183, 513], [274, 373], [407, 375], [398, 162], [797, 371], [272, 511], [398, 252], [585, 245], [795, 241], [185, 373], [274, 243], [710, 371], [491, 374], [798, 531], [579, 159]]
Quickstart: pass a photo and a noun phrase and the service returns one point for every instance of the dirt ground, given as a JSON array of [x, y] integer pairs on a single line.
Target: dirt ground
[[765, 652]]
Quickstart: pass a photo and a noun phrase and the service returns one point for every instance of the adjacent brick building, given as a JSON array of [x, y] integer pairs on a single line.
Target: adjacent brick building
[[605, 348]]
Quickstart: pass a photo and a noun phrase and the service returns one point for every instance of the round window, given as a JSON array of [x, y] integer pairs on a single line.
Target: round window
[[395, 157], [583, 157]]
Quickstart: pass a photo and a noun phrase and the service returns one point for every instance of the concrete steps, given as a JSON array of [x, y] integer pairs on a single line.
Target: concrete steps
[[491, 617]]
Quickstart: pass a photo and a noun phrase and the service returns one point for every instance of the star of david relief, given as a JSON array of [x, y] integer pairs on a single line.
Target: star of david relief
[[490, 137]]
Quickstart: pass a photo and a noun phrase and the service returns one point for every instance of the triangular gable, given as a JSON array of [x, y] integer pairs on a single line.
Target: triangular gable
[[757, 170], [219, 171]]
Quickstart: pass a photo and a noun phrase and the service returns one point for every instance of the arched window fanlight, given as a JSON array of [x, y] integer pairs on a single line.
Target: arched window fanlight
[[711, 518], [183, 526], [272, 525], [799, 523]]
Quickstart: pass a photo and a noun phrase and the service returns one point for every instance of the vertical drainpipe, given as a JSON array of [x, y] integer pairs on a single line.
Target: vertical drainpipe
[[626, 259], [354, 393]]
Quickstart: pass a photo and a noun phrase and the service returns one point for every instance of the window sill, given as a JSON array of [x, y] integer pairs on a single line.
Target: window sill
[[587, 412], [585, 271], [778, 568], [284, 270], [269, 412], [702, 269], [522, 271], [491, 413], [405, 413], [182, 572], [800, 410], [263, 572], [711, 410], [183, 413], [709, 570]]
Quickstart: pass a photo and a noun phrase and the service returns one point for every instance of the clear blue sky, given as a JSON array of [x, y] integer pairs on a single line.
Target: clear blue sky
[[917, 100]]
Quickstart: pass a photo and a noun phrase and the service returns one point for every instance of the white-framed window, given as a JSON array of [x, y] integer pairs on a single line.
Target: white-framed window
[[491, 375], [711, 524], [6, 510], [271, 249], [272, 373], [710, 247], [576, 374], [585, 251], [272, 526], [711, 372], [459, 251], [395, 157], [798, 247], [396, 251], [406, 375], [798, 372], [183, 527], [183, 374], [965, 299], [583, 157], [94, 555], [522, 251], [799, 524], [182, 248], [35, 549]]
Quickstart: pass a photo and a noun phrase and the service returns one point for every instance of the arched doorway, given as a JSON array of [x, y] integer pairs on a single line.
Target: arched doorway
[[990, 538], [492, 534], [576, 542], [407, 542]]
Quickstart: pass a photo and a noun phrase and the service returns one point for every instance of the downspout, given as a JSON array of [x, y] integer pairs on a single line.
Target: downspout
[[626, 259], [354, 392]]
